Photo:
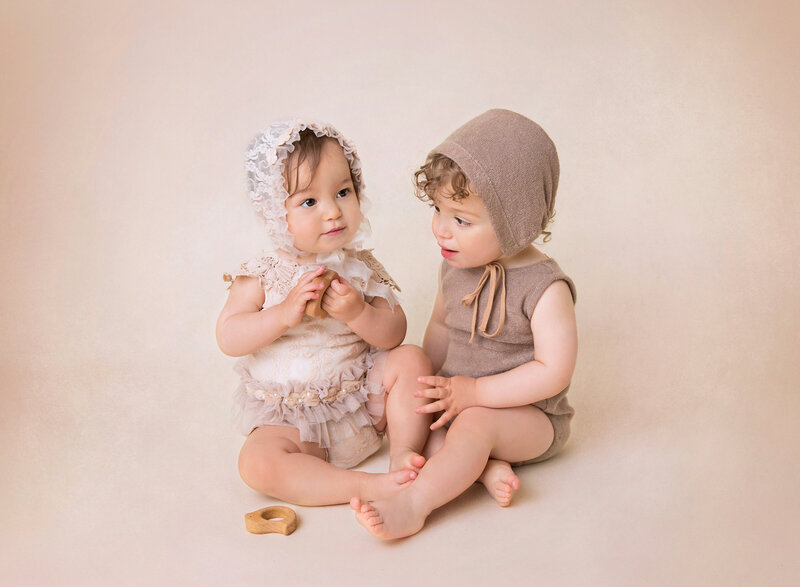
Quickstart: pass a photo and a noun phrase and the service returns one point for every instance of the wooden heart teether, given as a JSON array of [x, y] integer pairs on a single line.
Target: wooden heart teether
[[275, 519], [314, 307]]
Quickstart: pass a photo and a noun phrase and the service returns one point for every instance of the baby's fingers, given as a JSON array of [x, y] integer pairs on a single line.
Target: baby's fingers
[[446, 417], [433, 392], [340, 286], [327, 304], [314, 285], [434, 381], [431, 408], [308, 276], [303, 298]]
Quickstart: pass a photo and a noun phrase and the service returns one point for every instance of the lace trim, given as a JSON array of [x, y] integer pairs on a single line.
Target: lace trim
[[378, 270], [308, 396], [278, 274], [271, 271]]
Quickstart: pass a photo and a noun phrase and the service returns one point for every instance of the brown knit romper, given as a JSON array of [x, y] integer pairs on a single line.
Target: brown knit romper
[[513, 346]]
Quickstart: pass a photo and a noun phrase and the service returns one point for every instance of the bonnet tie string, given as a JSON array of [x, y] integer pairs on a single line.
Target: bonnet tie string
[[493, 273]]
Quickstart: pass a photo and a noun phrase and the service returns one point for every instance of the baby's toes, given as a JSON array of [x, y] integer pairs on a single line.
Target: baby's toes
[[370, 515], [403, 476], [415, 461], [502, 489]]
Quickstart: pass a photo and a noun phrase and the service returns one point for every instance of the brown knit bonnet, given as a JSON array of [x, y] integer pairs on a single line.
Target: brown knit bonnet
[[512, 165]]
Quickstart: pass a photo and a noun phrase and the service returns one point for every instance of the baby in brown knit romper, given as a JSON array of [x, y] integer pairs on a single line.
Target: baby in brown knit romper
[[502, 335]]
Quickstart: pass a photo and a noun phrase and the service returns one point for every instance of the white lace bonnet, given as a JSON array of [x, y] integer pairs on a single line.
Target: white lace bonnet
[[264, 164]]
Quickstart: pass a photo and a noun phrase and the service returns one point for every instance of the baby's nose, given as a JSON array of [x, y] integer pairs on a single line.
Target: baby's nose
[[332, 210], [440, 228]]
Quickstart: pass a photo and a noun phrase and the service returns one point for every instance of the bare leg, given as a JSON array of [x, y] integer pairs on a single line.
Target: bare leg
[[510, 434], [274, 461], [435, 442], [408, 431], [499, 479]]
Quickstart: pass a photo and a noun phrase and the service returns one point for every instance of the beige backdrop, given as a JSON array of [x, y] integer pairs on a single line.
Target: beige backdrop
[[123, 128]]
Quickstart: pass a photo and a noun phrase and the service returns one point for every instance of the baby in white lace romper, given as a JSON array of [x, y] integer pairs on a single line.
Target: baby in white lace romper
[[317, 394]]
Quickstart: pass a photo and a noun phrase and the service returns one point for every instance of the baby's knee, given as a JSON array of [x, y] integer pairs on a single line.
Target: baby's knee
[[474, 416], [258, 471], [411, 358], [473, 421]]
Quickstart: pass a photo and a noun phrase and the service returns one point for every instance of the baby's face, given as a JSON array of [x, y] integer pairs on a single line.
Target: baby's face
[[325, 214], [464, 231]]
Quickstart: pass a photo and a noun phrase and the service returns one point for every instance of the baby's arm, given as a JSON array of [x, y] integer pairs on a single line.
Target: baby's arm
[[374, 321], [437, 337], [380, 325], [556, 343], [243, 327], [555, 337]]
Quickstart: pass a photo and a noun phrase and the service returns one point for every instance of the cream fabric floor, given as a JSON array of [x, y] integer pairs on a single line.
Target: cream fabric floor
[[113, 494]]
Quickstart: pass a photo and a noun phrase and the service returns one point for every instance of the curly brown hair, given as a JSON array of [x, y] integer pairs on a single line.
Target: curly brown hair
[[441, 171]]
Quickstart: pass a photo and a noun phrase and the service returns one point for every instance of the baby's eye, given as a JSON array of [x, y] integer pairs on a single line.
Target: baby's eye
[[461, 221], [343, 192], [308, 202], [436, 208]]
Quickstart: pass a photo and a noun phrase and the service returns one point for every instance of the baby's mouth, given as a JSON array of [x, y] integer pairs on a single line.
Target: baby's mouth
[[335, 231]]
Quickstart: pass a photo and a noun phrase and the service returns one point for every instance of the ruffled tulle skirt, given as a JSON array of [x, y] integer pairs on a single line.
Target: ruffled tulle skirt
[[339, 413]]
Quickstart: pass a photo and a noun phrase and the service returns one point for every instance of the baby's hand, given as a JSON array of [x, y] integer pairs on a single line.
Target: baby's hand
[[342, 301], [454, 395], [294, 305]]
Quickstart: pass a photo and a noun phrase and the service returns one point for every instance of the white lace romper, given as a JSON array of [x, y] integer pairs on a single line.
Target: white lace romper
[[319, 376]]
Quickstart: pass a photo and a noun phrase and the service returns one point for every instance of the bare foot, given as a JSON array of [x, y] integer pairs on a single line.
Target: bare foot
[[500, 481], [383, 485], [406, 459], [388, 519]]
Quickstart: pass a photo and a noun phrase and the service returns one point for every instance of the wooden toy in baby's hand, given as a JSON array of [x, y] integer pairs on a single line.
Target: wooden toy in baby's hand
[[314, 307]]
